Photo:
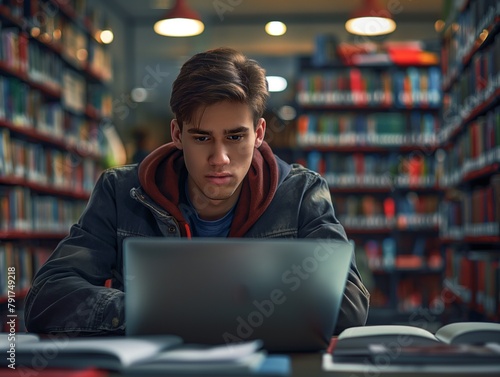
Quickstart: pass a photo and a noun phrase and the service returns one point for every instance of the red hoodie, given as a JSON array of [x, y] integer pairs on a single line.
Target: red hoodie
[[160, 171]]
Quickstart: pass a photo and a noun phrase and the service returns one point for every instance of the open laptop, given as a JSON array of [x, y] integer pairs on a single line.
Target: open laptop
[[221, 290]]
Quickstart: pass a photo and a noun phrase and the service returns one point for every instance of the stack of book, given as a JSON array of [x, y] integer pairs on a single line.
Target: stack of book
[[456, 348], [148, 355]]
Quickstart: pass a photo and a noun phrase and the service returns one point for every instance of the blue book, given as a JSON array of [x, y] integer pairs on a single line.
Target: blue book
[[275, 365]]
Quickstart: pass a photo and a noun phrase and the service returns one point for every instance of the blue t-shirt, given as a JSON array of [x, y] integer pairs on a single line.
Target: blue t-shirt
[[205, 228]]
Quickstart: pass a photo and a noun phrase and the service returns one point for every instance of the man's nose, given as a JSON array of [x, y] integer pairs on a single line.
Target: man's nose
[[219, 155]]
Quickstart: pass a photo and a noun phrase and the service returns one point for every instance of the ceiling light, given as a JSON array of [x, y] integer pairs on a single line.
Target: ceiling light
[[287, 112], [276, 83], [275, 28], [106, 36], [370, 20], [180, 21], [139, 94]]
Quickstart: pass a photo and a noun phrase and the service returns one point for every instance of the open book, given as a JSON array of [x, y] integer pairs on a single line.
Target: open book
[[457, 347], [405, 335], [143, 354]]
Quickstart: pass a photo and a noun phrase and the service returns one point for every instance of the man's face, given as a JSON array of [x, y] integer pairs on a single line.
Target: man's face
[[218, 149]]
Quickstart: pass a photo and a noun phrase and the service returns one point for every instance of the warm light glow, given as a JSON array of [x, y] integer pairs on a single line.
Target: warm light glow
[[35, 32], [56, 34], [179, 27], [276, 83], [275, 28], [439, 25], [483, 35], [106, 36], [370, 26], [81, 54], [45, 38]]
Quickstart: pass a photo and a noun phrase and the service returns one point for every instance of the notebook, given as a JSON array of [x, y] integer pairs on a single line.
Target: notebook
[[284, 292]]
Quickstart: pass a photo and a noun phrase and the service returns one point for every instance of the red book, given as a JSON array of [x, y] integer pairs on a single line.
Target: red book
[[466, 279], [332, 344], [359, 163], [473, 140], [490, 204], [480, 294], [356, 86], [23, 52]]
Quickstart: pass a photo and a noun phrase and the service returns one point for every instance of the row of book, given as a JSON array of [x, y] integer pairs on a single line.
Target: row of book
[[382, 224], [44, 67], [74, 91], [472, 213], [378, 129], [477, 147], [382, 262], [412, 293], [22, 210], [70, 42], [81, 12], [373, 213], [474, 278], [384, 255], [478, 83], [466, 30], [26, 260], [25, 106], [410, 87], [50, 167], [387, 206], [100, 99], [370, 170]]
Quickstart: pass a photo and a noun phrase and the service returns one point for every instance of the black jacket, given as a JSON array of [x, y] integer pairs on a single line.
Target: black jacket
[[278, 200]]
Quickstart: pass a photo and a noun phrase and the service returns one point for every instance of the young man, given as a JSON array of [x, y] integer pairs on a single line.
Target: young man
[[218, 178]]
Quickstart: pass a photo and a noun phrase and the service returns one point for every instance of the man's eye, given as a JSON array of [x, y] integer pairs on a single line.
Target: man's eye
[[235, 137], [201, 138]]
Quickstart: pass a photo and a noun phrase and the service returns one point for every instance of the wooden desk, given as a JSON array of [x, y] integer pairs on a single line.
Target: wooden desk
[[303, 365], [309, 365]]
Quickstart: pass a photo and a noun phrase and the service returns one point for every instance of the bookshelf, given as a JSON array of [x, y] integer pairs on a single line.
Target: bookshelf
[[54, 95], [371, 130], [470, 233]]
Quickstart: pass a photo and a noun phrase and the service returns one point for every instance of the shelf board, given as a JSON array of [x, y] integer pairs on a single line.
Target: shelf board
[[43, 188], [56, 141]]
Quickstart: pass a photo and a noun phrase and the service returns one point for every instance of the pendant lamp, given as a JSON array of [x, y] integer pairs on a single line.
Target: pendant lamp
[[370, 20], [180, 21]]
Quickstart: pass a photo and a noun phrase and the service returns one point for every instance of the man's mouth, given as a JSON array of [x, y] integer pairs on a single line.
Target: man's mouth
[[219, 178]]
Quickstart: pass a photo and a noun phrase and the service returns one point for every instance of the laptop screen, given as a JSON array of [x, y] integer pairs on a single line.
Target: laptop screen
[[221, 290]]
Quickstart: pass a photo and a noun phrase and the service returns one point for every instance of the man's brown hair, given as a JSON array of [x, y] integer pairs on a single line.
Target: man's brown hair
[[221, 74]]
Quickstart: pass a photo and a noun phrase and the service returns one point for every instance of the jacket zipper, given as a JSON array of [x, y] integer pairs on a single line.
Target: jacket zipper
[[142, 199], [139, 197]]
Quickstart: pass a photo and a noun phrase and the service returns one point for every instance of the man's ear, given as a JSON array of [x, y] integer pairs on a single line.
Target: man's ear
[[176, 133], [260, 132]]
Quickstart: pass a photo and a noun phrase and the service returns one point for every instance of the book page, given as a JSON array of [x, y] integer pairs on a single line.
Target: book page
[[105, 352], [371, 334], [220, 353], [469, 333]]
